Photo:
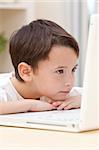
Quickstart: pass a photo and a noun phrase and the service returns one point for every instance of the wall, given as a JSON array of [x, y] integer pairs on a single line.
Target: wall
[[54, 10], [11, 19]]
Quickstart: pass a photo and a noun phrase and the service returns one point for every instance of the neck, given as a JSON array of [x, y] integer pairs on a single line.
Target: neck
[[25, 89]]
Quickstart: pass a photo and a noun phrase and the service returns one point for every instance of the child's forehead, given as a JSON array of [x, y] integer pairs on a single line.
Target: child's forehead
[[62, 52], [60, 57]]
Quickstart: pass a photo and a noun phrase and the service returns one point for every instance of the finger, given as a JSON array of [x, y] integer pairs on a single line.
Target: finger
[[48, 106], [68, 107], [63, 105], [57, 103], [72, 105], [75, 101]]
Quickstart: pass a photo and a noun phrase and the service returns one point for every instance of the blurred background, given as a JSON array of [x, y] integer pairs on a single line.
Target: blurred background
[[72, 15]]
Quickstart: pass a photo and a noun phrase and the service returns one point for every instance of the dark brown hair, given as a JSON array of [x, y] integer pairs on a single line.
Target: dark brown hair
[[33, 42]]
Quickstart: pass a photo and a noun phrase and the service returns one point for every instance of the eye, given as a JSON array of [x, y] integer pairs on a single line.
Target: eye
[[74, 69], [61, 71]]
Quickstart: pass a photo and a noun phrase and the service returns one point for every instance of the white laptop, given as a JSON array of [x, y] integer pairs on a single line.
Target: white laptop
[[75, 120]]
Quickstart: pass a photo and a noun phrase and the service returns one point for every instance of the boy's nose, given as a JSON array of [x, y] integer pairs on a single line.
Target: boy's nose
[[68, 85], [69, 81]]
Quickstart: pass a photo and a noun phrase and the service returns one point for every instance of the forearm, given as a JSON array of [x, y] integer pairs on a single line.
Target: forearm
[[24, 106], [15, 106]]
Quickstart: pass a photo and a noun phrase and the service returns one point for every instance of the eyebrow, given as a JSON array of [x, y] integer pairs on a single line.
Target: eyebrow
[[76, 65], [61, 67]]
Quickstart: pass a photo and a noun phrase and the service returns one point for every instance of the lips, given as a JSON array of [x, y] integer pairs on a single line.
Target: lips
[[64, 92]]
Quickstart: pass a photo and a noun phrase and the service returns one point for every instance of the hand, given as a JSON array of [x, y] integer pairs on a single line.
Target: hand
[[37, 105], [69, 103], [46, 99]]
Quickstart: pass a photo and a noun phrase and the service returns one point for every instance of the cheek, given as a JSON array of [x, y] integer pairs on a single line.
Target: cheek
[[73, 80], [50, 87], [48, 84]]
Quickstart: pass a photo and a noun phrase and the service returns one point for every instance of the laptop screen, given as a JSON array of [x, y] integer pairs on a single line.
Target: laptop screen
[[90, 99]]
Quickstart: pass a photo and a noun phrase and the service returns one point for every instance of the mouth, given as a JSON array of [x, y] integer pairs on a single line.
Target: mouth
[[62, 95], [66, 92]]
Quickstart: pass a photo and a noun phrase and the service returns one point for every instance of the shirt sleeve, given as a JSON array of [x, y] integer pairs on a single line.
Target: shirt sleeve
[[76, 91], [3, 96]]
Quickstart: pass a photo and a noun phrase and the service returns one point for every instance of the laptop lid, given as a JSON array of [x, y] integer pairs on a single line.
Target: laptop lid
[[90, 100]]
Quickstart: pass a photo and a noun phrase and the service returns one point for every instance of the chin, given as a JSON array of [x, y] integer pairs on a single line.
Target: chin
[[60, 97]]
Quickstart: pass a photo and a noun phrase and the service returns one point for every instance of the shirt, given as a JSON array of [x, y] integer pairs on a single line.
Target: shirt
[[7, 90]]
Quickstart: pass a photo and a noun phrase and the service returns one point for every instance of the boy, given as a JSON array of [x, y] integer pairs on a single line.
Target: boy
[[44, 57]]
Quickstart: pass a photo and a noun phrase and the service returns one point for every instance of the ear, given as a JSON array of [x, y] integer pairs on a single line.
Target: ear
[[25, 71]]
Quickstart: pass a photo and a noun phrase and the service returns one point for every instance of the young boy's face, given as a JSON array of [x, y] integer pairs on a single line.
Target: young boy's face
[[54, 77]]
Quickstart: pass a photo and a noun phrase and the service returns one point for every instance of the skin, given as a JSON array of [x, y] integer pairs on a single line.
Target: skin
[[53, 79]]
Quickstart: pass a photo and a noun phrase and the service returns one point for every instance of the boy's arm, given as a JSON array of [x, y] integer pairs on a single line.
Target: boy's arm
[[24, 106]]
